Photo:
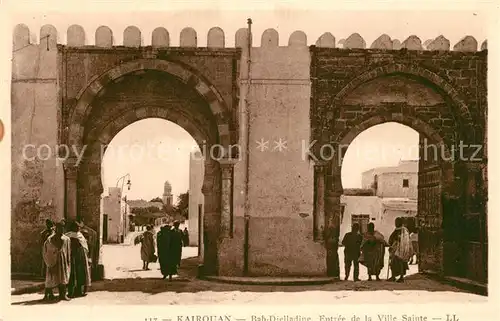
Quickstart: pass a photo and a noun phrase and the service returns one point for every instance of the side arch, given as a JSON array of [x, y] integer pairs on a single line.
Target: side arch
[[189, 77]]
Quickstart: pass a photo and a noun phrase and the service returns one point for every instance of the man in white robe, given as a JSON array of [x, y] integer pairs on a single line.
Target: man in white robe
[[56, 255]]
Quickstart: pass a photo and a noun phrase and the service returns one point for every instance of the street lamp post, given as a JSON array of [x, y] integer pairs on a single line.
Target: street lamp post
[[129, 184]]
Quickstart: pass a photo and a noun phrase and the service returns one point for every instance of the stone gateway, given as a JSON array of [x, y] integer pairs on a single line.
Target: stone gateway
[[267, 209]]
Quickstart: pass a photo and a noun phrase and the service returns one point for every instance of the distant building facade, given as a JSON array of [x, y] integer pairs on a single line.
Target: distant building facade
[[152, 218], [387, 193], [395, 181], [116, 214]]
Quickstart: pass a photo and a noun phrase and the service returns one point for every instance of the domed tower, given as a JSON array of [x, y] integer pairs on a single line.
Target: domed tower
[[167, 194]]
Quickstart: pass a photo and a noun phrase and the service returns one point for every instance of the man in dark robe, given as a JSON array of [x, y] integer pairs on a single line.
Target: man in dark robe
[[163, 244], [174, 250], [185, 237], [44, 235], [352, 250], [373, 252], [79, 279]]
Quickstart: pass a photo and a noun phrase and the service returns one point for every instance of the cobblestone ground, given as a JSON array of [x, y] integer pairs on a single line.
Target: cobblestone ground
[[126, 283]]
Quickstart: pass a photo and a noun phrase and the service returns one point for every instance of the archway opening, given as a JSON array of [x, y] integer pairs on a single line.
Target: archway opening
[[380, 183], [151, 175], [126, 101]]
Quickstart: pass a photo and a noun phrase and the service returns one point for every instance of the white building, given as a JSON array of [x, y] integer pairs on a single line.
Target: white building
[[115, 216], [387, 193], [395, 181]]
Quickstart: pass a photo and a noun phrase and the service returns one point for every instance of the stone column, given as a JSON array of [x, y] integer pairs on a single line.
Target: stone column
[[319, 201], [70, 175], [226, 220], [211, 216], [332, 230]]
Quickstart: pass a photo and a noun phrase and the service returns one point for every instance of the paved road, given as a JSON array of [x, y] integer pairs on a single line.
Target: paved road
[[128, 284]]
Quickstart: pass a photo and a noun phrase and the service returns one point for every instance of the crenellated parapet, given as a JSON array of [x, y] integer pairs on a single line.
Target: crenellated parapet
[[103, 37]]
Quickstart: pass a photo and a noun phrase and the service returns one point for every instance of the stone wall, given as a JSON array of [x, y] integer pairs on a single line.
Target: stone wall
[[37, 182], [281, 176]]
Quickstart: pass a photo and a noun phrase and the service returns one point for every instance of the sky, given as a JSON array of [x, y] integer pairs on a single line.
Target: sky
[[149, 176], [152, 151], [378, 146]]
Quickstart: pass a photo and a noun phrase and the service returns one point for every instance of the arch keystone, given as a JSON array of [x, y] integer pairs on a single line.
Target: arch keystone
[[75, 36], [21, 36], [48, 36], [355, 41], [270, 38], [412, 43], [297, 39], [382, 42], [467, 44], [440, 43], [216, 38], [241, 38], [188, 37], [160, 37], [104, 37], [132, 37], [326, 40]]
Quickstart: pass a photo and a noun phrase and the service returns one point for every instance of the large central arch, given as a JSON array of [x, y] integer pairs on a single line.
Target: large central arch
[[171, 91]]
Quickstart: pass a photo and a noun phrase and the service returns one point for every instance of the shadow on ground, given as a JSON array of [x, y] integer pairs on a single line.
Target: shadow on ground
[[187, 282]]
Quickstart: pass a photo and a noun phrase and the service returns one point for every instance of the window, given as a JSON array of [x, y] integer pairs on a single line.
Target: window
[[406, 182], [362, 220]]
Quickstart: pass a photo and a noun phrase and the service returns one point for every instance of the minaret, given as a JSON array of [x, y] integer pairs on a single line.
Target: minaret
[[167, 194]]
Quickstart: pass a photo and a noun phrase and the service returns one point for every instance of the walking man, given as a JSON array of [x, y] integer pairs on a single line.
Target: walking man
[[352, 250]]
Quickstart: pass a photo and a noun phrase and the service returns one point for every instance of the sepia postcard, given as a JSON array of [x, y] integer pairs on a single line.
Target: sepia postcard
[[232, 161]]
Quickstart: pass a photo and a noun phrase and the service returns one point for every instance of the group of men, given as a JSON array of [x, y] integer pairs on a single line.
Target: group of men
[[369, 250], [67, 258], [169, 242]]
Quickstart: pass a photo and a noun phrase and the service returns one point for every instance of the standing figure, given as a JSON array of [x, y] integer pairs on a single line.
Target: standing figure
[[79, 279], [352, 250], [373, 249], [414, 245], [163, 244], [174, 250], [185, 237], [93, 244], [147, 247], [400, 251], [57, 257], [44, 235]]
